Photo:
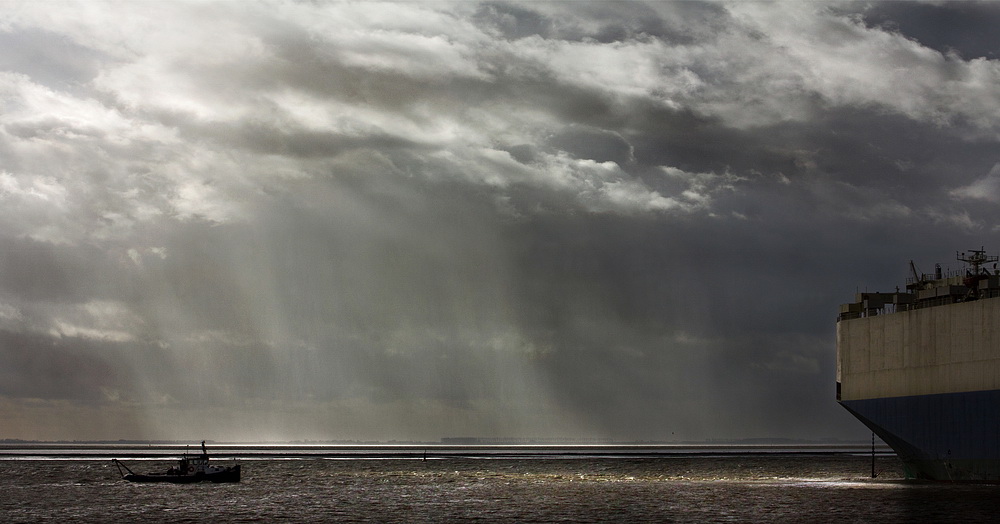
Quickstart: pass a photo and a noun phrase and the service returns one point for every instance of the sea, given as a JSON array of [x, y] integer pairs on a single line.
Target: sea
[[415, 484]]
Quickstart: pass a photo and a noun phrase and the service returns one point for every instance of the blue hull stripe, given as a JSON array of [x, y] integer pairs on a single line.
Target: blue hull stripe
[[953, 436]]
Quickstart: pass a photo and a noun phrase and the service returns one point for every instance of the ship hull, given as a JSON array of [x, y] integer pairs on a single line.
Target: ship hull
[[950, 436], [231, 474]]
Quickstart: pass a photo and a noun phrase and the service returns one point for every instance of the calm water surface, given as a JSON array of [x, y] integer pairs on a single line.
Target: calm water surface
[[741, 488]]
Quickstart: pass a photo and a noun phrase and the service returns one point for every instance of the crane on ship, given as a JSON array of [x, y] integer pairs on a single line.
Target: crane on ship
[[920, 280]]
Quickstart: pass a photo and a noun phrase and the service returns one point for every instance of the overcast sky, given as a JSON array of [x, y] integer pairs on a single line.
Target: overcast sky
[[628, 220]]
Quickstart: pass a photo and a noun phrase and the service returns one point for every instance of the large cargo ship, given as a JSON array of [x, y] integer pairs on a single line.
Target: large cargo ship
[[921, 369]]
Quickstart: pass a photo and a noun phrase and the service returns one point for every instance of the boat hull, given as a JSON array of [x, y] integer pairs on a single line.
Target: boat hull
[[949, 436], [231, 474]]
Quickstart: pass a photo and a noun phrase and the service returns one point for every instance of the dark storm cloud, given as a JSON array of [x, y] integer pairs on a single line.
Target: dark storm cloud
[[36, 367], [301, 143], [966, 28], [630, 220], [679, 22], [34, 270], [597, 145]]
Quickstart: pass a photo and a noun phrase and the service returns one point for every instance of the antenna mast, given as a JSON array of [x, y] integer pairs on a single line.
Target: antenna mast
[[976, 258]]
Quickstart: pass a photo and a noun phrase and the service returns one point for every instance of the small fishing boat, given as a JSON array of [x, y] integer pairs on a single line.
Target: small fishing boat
[[188, 469]]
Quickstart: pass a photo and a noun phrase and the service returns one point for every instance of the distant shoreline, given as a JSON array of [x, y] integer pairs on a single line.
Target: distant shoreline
[[151, 450], [446, 441]]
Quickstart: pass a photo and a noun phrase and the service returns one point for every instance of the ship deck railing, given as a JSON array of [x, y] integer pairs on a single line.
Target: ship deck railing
[[920, 304]]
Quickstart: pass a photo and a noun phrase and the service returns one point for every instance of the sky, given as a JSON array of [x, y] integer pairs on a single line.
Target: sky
[[277, 220]]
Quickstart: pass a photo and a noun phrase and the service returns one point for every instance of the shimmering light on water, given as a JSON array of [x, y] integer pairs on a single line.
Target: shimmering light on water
[[727, 488]]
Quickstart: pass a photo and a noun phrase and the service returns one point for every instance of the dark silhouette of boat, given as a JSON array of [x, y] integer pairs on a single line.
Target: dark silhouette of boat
[[187, 470]]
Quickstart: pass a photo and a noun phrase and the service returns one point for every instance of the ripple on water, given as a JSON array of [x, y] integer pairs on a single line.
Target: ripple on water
[[688, 489]]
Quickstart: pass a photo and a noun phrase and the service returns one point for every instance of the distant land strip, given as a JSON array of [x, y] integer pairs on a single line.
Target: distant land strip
[[419, 451]]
